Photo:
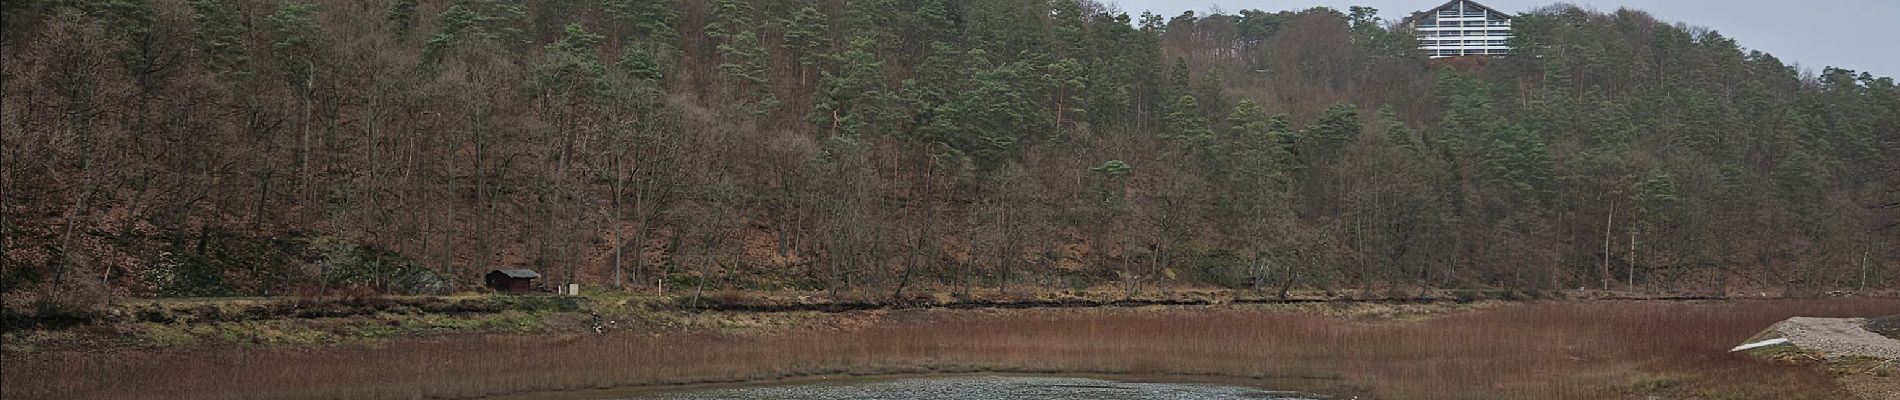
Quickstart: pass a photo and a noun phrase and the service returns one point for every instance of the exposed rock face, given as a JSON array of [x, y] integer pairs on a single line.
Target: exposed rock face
[[1833, 337]]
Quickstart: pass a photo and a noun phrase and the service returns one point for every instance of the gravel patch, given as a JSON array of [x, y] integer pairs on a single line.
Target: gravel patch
[[986, 387], [1837, 337]]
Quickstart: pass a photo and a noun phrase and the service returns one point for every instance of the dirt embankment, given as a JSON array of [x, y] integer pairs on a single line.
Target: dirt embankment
[[1860, 352], [1838, 337]]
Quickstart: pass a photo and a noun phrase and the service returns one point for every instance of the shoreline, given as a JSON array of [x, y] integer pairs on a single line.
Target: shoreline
[[161, 324], [1263, 383], [1550, 349]]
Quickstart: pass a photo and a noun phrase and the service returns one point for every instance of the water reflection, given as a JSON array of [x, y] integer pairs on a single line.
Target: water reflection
[[984, 387]]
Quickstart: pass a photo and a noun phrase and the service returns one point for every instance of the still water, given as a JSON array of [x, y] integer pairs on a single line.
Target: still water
[[981, 387]]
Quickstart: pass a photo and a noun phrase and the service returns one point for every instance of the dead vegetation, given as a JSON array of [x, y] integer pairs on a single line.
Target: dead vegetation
[[1593, 350]]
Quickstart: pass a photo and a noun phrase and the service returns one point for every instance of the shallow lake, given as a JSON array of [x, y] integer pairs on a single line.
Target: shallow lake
[[978, 387]]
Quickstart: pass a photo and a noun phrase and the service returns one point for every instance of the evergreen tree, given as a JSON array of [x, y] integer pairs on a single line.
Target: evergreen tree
[[640, 64], [806, 38], [1178, 79], [1071, 28], [996, 114], [1211, 94], [1259, 140], [855, 101], [875, 20], [1186, 124], [222, 34], [402, 13], [295, 36], [573, 63], [1396, 132], [1151, 23], [934, 21], [1280, 129], [1339, 124], [742, 55], [489, 22], [1066, 82], [1518, 159]]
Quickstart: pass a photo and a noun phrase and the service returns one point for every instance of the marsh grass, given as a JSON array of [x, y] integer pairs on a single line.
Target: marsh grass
[[1586, 350]]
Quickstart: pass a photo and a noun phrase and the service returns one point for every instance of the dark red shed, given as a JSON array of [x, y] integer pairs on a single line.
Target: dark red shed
[[512, 281]]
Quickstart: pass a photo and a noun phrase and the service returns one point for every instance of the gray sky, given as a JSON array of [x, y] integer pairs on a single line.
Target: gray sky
[[1862, 35]]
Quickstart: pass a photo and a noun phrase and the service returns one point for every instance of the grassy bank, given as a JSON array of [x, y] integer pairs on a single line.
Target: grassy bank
[[184, 323], [1550, 350], [304, 321]]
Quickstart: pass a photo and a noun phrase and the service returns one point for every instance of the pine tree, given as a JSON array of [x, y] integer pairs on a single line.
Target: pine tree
[[742, 55], [1518, 159], [640, 64], [475, 21], [1152, 23], [222, 33], [855, 101], [295, 36], [933, 21], [1066, 83], [1258, 137], [1186, 124], [729, 18], [1339, 124], [1211, 93], [1071, 28], [806, 38], [873, 19], [997, 112], [651, 20], [573, 63], [1396, 132], [1257, 194], [402, 13], [1280, 129], [1111, 190], [1178, 79]]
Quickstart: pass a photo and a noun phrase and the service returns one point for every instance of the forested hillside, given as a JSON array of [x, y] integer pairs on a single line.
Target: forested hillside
[[262, 147]]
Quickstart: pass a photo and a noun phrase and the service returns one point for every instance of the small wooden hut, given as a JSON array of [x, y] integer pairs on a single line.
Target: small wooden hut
[[511, 280]]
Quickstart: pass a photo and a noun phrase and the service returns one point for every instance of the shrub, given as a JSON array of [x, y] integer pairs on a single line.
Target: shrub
[[1465, 296], [80, 299]]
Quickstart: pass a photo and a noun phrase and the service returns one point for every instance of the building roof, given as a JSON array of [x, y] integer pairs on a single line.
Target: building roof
[[1427, 12], [518, 273]]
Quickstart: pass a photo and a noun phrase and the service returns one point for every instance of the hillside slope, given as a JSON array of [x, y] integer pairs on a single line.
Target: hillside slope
[[255, 147]]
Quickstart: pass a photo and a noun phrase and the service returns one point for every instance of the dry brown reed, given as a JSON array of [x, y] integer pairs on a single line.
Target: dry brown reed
[[1590, 350]]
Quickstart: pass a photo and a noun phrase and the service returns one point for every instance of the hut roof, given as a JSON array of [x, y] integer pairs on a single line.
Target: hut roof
[[518, 273]]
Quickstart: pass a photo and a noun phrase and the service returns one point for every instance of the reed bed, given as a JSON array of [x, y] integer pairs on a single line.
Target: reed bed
[[1584, 350]]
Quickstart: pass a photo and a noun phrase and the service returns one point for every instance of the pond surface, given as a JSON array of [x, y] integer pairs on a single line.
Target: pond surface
[[980, 387]]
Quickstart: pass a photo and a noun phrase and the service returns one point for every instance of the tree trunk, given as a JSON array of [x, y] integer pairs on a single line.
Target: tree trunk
[[1608, 222], [639, 251], [1632, 260], [620, 238], [73, 218], [1863, 270], [306, 197], [705, 269]]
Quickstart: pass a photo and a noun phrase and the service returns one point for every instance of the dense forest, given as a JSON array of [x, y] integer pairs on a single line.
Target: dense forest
[[265, 147]]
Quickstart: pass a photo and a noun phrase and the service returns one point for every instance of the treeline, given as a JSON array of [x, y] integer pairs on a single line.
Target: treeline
[[243, 147]]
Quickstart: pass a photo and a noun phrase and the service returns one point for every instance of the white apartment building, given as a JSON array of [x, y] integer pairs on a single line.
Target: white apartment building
[[1461, 28]]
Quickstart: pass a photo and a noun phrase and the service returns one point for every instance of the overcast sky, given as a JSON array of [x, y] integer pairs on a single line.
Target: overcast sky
[[1862, 35]]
